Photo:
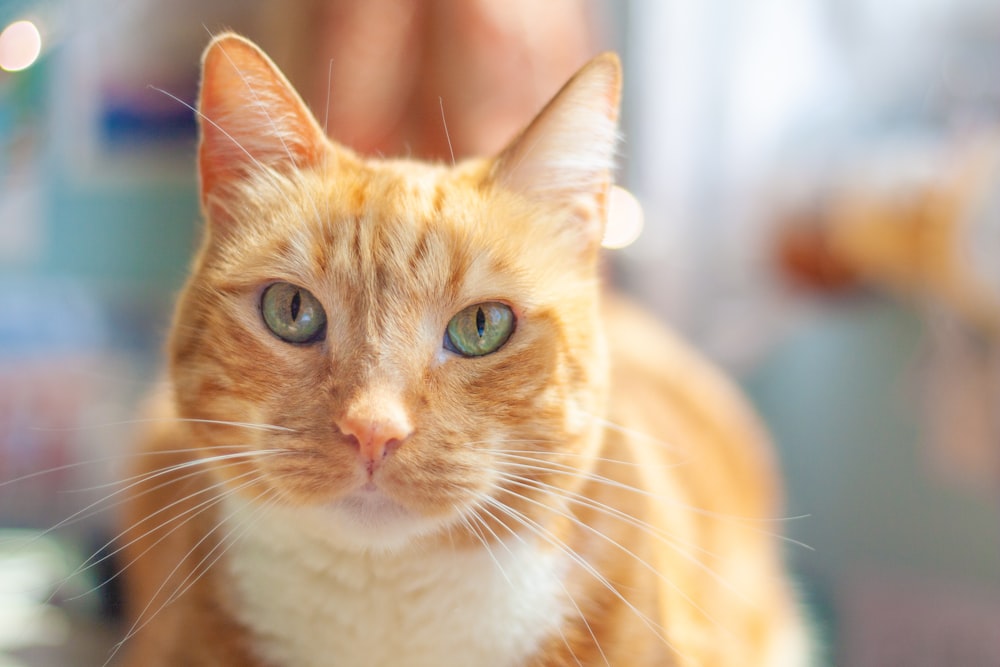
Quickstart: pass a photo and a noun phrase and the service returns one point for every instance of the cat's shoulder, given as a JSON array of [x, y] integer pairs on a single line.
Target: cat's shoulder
[[643, 346], [663, 385]]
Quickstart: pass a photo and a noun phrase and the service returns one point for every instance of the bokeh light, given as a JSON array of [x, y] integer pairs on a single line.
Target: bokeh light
[[20, 45], [625, 219]]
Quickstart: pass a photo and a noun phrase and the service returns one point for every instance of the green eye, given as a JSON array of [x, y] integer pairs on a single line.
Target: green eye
[[479, 329], [292, 313]]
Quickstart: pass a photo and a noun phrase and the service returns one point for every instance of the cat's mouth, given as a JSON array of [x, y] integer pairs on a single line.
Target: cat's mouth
[[370, 504], [367, 517]]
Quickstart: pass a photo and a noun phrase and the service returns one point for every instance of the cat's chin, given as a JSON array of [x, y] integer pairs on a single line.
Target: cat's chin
[[367, 518]]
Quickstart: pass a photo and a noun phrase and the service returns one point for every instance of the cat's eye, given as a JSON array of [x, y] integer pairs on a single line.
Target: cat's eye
[[292, 313], [479, 329]]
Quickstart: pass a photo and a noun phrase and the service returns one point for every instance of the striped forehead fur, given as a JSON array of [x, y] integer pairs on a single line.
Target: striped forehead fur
[[303, 213]]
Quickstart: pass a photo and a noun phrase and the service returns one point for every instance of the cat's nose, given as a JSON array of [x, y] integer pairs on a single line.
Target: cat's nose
[[378, 428]]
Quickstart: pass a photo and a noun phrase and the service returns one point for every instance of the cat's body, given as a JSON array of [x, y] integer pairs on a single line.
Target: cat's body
[[418, 483]]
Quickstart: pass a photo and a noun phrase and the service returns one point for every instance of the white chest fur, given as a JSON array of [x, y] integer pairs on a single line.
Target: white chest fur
[[311, 603]]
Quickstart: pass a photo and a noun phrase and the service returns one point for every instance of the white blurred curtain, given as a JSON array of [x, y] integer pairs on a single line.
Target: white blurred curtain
[[712, 90]]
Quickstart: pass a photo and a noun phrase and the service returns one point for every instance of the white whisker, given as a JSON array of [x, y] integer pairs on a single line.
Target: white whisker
[[628, 552], [564, 469], [467, 521], [139, 624], [161, 420], [555, 467], [447, 136], [100, 460], [197, 461], [562, 585], [211, 122], [541, 533], [329, 87], [193, 512], [83, 513], [618, 428], [588, 457], [676, 544]]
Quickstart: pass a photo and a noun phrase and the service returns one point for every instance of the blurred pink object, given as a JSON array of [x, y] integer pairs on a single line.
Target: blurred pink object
[[390, 68]]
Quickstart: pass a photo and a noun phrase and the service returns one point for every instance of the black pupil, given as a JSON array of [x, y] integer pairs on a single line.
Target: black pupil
[[296, 305], [480, 322]]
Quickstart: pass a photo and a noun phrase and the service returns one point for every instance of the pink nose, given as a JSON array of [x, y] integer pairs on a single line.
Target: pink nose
[[376, 436]]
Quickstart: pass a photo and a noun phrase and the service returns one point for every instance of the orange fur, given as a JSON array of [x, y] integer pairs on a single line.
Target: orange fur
[[610, 440]]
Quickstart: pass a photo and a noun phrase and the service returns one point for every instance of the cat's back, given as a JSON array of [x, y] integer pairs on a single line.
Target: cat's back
[[685, 408], [712, 496]]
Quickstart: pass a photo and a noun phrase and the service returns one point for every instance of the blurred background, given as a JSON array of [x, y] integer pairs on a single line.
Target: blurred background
[[821, 188]]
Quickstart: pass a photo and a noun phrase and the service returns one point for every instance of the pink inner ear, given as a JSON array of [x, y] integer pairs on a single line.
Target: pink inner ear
[[250, 116]]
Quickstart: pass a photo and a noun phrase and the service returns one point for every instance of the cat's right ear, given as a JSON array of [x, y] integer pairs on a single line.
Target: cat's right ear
[[565, 157], [250, 119]]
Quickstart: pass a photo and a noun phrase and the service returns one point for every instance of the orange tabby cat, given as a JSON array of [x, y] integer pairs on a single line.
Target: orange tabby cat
[[404, 428]]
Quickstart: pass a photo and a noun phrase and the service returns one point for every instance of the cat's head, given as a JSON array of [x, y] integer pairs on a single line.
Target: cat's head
[[408, 336]]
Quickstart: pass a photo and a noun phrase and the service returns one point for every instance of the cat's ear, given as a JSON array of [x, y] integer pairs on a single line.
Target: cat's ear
[[250, 117], [565, 157]]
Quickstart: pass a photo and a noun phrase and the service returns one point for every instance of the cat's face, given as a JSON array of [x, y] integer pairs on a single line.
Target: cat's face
[[402, 333]]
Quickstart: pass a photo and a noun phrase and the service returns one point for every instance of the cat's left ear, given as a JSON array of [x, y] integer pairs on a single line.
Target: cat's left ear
[[565, 157], [250, 116]]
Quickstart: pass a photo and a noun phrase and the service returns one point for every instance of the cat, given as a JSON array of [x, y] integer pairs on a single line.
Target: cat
[[405, 424]]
